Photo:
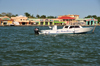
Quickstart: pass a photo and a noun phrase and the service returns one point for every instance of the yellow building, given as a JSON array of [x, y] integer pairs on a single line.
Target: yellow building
[[6, 21]]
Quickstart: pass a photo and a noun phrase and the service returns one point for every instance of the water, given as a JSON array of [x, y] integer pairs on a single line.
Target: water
[[19, 46]]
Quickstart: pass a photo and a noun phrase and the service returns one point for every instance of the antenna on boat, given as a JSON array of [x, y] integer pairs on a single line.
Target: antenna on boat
[[74, 27]]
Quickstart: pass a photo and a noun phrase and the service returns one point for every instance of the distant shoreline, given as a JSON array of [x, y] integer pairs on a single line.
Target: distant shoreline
[[40, 25]]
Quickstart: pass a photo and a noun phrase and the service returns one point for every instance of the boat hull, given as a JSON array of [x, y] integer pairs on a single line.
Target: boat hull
[[67, 31]]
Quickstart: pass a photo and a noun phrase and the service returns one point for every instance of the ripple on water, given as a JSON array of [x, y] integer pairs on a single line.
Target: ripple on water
[[20, 46]]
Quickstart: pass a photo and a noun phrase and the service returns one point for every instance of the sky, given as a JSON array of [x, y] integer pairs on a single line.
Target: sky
[[82, 8]]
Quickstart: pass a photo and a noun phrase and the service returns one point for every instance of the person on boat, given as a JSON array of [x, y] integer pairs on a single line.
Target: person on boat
[[36, 30]]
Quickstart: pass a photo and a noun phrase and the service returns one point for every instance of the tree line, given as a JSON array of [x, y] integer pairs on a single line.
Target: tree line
[[42, 16], [27, 15], [93, 16], [8, 14]]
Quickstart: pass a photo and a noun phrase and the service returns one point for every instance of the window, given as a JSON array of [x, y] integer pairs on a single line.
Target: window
[[63, 19], [66, 19], [51, 20], [71, 26], [41, 20], [74, 27], [46, 20], [41, 23], [50, 23], [77, 27], [46, 23], [66, 26]]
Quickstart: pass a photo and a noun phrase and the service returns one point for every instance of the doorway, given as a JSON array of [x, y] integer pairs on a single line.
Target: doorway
[[88, 22], [46, 23], [41, 23], [91, 22], [23, 23], [50, 23], [4, 22]]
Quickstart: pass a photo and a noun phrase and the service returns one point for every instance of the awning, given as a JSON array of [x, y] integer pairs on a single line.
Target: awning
[[59, 22], [66, 17], [36, 21]]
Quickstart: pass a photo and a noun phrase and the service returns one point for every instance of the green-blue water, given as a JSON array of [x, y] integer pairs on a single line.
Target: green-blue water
[[19, 46]]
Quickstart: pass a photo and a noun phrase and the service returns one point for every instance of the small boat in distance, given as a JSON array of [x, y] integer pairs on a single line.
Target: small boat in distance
[[68, 29], [12, 25]]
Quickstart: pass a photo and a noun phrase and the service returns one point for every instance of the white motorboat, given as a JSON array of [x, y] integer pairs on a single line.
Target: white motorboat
[[71, 29]]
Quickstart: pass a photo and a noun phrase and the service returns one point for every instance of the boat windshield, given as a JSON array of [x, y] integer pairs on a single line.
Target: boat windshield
[[74, 27], [66, 26], [77, 27], [71, 26]]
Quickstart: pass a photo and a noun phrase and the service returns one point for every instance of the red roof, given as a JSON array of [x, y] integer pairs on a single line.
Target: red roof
[[66, 17]]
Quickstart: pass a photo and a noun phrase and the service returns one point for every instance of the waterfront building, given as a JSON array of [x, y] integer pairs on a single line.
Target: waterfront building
[[6, 21], [36, 21], [68, 20], [61, 20], [88, 21], [47, 22], [22, 20], [70, 15]]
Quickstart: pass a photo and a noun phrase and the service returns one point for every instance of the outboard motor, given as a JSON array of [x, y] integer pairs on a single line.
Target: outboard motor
[[36, 30]]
